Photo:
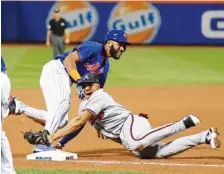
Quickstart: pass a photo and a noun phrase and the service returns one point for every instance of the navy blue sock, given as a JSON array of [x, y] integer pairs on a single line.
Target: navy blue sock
[[70, 136]]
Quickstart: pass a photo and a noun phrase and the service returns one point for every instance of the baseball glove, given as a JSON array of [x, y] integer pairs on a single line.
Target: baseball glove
[[35, 138]]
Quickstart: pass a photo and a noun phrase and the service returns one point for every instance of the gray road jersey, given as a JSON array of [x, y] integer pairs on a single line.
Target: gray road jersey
[[109, 116]]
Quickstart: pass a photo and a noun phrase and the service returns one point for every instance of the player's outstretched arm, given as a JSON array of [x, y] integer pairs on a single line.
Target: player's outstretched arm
[[43, 137], [73, 125], [70, 65]]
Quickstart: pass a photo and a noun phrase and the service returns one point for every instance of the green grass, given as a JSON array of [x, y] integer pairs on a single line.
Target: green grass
[[152, 66]]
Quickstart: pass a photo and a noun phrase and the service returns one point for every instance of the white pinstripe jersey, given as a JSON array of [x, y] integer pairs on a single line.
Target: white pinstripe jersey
[[109, 116]]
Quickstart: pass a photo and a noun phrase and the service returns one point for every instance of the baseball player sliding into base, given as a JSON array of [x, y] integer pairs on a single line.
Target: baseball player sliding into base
[[6, 154], [58, 75], [134, 131]]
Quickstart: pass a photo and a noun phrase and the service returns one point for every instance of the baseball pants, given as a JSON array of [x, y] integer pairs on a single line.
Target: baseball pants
[[138, 136], [56, 88], [6, 154], [57, 44]]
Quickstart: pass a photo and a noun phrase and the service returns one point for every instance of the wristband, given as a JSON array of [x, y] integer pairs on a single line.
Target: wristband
[[75, 75]]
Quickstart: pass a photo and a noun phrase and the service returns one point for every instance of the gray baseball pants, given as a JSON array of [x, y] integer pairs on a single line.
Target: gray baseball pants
[[138, 133], [58, 44]]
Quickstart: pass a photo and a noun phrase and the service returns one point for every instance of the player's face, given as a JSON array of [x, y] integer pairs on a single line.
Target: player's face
[[116, 49], [90, 88]]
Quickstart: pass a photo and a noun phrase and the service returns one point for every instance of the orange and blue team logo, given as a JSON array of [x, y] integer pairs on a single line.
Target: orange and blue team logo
[[82, 18], [140, 20], [94, 68]]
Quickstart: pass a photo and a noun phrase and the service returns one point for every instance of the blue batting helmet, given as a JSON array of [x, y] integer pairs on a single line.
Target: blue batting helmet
[[116, 35], [88, 78]]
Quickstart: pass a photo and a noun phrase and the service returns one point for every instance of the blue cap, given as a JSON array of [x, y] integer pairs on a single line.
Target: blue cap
[[116, 35]]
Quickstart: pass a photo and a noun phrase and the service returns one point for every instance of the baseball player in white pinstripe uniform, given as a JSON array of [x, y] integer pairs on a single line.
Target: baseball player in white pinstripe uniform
[[134, 131], [6, 154]]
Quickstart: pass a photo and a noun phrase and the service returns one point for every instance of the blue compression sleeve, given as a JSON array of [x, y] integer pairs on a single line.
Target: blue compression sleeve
[[70, 136]]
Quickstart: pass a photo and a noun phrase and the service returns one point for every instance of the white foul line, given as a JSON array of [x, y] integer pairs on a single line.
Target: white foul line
[[100, 162], [145, 163]]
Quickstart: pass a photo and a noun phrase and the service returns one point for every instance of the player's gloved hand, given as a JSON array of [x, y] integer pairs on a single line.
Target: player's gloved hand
[[41, 137]]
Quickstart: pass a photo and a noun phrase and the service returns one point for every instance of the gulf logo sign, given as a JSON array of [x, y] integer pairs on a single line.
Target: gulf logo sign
[[82, 18], [140, 20]]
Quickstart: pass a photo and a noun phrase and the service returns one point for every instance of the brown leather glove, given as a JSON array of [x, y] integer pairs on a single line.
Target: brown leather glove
[[41, 137]]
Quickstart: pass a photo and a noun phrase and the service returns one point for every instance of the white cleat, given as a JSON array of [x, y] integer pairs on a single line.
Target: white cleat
[[212, 138], [191, 121]]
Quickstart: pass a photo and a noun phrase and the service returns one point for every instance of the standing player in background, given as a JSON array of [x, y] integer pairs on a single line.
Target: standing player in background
[[57, 33], [135, 131], [6, 154], [58, 75]]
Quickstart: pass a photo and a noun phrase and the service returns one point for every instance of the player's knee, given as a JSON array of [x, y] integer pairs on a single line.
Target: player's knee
[[63, 123], [136, 146], [64, 105]]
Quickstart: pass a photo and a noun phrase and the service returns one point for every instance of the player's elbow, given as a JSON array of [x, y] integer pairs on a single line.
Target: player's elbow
[[79, 121], [66, 62]]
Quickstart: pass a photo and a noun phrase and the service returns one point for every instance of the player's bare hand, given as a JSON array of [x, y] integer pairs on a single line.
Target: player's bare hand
[[100, 135], [58, 146], [48, 43], [67, 41]]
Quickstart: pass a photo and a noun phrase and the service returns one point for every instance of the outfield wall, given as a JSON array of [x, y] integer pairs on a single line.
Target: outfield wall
[[145, 23]]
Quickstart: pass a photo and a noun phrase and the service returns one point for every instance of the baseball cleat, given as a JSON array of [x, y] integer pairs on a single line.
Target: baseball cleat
[[212, 138], [16, 107], [191, 121], [43, 148]]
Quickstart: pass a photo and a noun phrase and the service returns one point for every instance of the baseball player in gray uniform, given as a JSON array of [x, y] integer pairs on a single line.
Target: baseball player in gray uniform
[[134, 131]]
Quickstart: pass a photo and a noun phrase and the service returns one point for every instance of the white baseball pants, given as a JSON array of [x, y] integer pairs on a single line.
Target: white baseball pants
[[56, 87]]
